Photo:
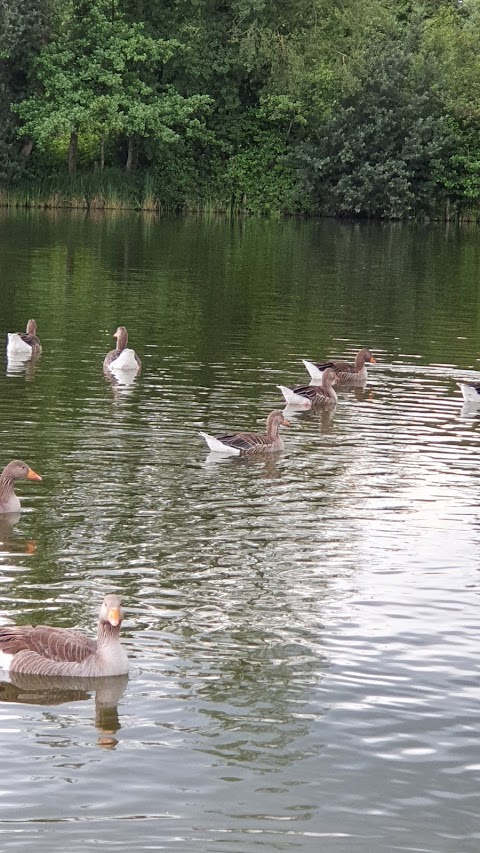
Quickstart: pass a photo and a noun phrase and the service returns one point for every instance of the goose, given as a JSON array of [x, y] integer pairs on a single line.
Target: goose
[[42, 650], [122, 358], [470, 391], [345, 370], [15, 470], [241, 443], [23, 345], [310, 396]]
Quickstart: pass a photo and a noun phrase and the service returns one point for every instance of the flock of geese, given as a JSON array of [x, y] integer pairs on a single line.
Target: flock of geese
[[48, 651]]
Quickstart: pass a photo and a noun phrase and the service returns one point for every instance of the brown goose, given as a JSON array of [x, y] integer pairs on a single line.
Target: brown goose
[[122, 358], [15, 470], [42, 650], [241, 443], [23, 345], [345, 370], [310, 396]]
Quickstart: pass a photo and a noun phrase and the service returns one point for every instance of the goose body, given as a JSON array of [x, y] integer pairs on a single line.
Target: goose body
[[43, 650], [470, 391], [346, 371], [241, 443], [122, 358], [310, 396], [15, 470], [24, 345]]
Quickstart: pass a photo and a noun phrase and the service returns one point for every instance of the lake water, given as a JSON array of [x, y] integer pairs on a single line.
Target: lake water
[[303, 629]]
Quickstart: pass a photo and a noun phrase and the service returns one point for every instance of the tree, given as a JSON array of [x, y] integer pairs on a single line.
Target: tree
[[381, 153], [101, 77]]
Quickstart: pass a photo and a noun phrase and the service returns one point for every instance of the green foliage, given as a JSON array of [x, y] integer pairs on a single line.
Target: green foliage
[[359, 107], [379, 154], [101, 77]]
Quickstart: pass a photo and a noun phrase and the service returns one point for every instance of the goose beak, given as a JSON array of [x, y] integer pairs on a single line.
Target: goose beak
[[114, 616], [285, 422], [32, 476], [372, 360]]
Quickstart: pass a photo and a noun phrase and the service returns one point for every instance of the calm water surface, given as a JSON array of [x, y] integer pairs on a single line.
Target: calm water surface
[[303, 630]]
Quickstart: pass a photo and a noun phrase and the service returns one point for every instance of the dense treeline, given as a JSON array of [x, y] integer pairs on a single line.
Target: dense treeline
[[347, 107]]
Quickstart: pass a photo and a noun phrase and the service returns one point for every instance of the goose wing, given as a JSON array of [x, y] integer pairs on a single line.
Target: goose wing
[[244, 440], [311, 392], [57, 644], [339, 366]]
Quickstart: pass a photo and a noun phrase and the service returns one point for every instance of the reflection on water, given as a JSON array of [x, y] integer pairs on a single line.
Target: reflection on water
[[302, 627], [11, 540], [41, 690], [17, 366]]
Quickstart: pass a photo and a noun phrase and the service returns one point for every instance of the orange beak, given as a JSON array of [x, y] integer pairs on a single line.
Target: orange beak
[[285, 422], [372, 360], [114, 616], [32, 476]]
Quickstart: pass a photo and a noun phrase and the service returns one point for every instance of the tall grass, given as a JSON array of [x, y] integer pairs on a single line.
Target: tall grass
[[115, 190]]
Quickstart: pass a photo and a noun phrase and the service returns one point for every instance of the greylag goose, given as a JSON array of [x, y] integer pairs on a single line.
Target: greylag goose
[[23, 345], [241, 443], [345, 370], [470, 391], [42, 650], [310, 396], [15, 470], [122, 358]]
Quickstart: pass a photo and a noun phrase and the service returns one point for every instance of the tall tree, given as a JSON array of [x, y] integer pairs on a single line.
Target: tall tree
[[101, 77]]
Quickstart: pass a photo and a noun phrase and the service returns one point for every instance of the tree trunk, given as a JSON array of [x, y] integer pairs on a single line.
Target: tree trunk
[[72, 153], [130, 154], [102, 153]]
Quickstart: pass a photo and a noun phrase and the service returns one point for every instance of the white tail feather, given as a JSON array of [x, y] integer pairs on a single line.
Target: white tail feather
[[313, 370], [470, 395], [294, 399], [217, 446], [16, 347], [125, 361]]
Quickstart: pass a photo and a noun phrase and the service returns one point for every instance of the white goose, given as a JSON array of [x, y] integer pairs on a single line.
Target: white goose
[[122, 358], [42, 650], [24, 345]]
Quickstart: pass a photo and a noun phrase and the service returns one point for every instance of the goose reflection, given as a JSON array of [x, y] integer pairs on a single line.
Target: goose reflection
[[9, 542], [122, 381], [45, 690], [267, 464], [15, 366]]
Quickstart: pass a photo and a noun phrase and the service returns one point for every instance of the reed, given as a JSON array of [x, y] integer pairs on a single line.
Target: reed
[[115, 190]]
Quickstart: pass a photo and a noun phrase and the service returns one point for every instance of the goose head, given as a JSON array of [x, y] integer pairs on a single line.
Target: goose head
[[329, 377], [111, 610], [275, 420], [363, 357], [18, 470], [31, 327], [122, 337]]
